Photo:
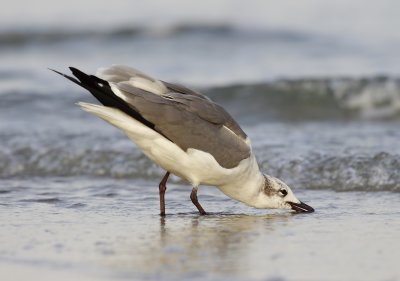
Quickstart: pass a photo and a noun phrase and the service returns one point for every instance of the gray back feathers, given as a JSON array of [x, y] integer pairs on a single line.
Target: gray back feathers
[[184, 116]]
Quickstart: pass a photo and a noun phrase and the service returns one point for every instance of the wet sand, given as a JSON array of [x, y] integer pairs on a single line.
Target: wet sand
[[110, 230]]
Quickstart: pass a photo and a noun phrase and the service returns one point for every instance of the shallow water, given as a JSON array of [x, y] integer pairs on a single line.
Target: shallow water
[[110, 229]]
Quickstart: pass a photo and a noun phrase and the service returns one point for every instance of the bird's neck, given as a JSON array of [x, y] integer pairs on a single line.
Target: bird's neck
[[247, 183]]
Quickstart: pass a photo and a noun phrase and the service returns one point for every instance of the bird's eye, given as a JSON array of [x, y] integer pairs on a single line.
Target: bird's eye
[[283, 192]]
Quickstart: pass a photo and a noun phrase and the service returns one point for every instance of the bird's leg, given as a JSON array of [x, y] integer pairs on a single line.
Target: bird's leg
[[163, 187], [193, 197]]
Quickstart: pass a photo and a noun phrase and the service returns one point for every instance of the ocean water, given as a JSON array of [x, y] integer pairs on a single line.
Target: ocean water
[[319, 98]]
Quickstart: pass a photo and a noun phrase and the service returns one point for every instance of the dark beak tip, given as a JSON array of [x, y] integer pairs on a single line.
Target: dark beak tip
[[301, 207]]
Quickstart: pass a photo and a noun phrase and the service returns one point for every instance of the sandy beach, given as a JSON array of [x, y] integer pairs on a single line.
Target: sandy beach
[[58, 229]]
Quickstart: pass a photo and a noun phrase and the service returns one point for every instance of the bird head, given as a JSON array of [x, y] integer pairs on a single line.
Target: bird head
[[275, 194]]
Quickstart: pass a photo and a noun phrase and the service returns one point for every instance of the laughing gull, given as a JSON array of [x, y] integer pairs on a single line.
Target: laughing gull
[[186, 134]]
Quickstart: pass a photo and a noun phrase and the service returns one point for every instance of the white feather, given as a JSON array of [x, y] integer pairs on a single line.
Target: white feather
[[155, 87], [124, 74]]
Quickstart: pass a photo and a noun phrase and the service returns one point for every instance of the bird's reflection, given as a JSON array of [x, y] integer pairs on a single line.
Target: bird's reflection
[[220, 243], [187, 244]]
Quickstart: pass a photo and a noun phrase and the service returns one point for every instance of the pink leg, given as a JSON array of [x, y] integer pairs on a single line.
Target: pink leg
[[193, 197], [163, 187]]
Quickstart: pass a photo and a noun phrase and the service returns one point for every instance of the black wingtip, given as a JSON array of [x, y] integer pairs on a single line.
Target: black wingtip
[[102, 91], [78, 74], [73, 69], [66, 76], [58, 72]]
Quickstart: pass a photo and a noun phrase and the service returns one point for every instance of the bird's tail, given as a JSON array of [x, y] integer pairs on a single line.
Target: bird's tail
[[102, 91], [109, 114]]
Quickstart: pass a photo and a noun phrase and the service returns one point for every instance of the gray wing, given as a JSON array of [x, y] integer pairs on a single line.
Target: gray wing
[[215, 109], [190, 121], [124, 76], [183, 90]]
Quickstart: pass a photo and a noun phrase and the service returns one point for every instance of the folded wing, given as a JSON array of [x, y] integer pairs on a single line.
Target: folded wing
[[185, 117]]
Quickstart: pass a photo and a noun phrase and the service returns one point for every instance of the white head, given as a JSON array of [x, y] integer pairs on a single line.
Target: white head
[[275, 194]]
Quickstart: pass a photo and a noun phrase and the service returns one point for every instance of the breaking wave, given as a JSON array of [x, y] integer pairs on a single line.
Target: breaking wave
[[28, 161], [373, 98], [377, 172], [334, 98], [16, 38]]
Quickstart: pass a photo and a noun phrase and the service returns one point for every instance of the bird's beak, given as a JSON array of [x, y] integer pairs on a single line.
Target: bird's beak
[[301, 207]]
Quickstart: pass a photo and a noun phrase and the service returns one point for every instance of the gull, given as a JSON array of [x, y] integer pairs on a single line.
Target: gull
[[186, 134]]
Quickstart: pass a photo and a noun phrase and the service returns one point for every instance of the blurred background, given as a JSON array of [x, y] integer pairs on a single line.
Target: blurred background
[[207, 42], [321, 75], [315, 84]]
